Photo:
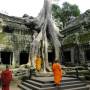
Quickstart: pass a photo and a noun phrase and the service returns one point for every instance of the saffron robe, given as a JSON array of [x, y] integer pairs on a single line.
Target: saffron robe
[[57, 71], [38, 63], [6, 77]]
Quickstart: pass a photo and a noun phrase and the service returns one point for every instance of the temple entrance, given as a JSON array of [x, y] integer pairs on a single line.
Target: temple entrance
[[87, 55], [24, 57], [67, 57], [6, 57], [51, 57]]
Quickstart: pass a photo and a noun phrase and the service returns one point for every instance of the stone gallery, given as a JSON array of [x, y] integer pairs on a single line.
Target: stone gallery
[[76, 41]]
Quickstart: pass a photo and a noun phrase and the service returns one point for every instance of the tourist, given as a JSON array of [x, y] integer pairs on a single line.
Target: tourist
[[6, 77], [38, 63], [57, 71]]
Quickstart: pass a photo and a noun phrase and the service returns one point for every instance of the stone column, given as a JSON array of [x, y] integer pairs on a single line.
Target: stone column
[[0, 56], [10, 59], [82, 55], [29, 59], [16, 61], [76, 54], [72, 55]]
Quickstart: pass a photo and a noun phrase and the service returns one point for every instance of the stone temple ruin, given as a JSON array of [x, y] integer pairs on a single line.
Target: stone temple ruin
[[15, 40], [76, 41], [23, 38]]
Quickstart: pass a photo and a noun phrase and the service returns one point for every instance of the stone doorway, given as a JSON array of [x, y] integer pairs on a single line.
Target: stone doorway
[[6, 57], [24, 57], [67, 57], [87, 55], [51, 57]]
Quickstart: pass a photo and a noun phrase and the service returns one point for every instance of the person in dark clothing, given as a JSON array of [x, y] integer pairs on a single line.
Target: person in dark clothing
[[6, 77]]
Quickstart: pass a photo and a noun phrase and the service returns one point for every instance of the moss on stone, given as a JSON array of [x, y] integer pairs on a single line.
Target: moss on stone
[[84, 38], [4, 39], [69, 40]]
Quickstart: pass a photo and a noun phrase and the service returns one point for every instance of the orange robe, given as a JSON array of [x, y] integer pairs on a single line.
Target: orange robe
[[38, 63], [57, 73], [6, 77]]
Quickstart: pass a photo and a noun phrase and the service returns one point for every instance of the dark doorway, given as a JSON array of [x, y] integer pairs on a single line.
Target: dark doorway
[[87, 54], [6, 57], [67, 56], [24, 57], [51, 57]]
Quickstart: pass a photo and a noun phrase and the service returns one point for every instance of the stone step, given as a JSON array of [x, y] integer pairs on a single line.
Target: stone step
[[33, 87], [48, 84], [23, 87], [53, 86], [71, 82], [78, 88], [73, 85], [39, 84], [51, 79]]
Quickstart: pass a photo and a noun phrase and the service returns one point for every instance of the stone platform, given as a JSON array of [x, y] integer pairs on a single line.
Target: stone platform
[[47, 83]]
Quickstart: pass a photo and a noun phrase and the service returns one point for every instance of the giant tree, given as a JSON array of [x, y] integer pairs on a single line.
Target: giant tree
[[47, 28]]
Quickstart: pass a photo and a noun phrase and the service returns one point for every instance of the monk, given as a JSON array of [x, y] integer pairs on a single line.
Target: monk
[[6, 77], [38, 63], [57, 71]]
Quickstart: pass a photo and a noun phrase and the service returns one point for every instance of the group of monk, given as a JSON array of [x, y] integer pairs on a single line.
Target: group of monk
[[56, 68], [6, 75]]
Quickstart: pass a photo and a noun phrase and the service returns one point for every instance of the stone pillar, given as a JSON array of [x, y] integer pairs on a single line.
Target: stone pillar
[[10, 59], [72, 55], [29, 59], [0, 56], [76, 54], [82, 55], [15, 61]]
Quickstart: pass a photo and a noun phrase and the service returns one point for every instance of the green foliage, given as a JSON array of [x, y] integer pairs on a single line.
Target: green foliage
[[63, 14], [56, 11], [75, 10]]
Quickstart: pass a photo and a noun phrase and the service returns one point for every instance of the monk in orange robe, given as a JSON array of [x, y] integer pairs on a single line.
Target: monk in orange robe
[[6, 77], [38, 63], [57, 71]]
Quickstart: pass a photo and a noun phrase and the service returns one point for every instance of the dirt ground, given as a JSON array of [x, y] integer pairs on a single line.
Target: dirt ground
[[13, 88], [14, 85]]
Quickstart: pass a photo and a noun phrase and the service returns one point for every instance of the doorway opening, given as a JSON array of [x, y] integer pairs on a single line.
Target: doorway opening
[[51, 57], [24, 57], [87, 55], [6, 57], [67, 57]]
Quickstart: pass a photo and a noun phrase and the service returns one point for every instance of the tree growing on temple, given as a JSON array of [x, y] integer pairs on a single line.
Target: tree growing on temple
[[48, 32]]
